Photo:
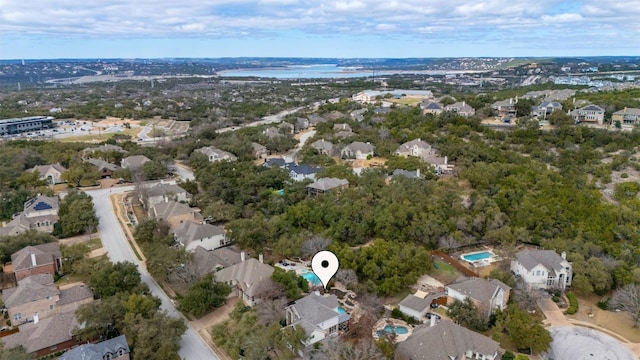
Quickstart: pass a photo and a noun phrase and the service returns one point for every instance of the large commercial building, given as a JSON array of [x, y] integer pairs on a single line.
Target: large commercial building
[[25, 124]]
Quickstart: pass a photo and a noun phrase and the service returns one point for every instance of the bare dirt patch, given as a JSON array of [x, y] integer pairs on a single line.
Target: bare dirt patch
[[373, 162], [618, 322]]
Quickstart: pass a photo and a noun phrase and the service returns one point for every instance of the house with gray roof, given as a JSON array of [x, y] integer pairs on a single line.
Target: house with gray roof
[[324, 147], [628, 117], [357, 150], [461, 108], [505, 108], [431, 107], [214, 154], [36, 260], [418, 305], [51, 173], [319, 316], [47, 336], [191, 235], [259, 151], [301, 124], [112, 349], [174, 213], [40, 213], [301, 172], [445, 340], [592, 114], [134, 162], [408, 174], [315, 119], [417, 148], [324, 185], [545, 109], [542, 269], [104, 148], [487, 294], [163, 192], [209, 261], [249, 279]]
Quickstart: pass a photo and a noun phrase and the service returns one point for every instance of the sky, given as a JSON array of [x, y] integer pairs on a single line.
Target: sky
[[36, 29]]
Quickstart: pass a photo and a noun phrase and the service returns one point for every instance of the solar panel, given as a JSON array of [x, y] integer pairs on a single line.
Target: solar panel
[[42, 206]]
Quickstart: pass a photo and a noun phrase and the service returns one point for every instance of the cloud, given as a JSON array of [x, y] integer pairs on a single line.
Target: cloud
[[451, 20]]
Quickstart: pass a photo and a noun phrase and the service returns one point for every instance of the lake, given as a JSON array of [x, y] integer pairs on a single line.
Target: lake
[[319, 71]]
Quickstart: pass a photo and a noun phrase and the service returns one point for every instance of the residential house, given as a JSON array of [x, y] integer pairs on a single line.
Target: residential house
[[461, 108], [358, 115], [545, 109], [505, 108], [38, 296], [628, 117], [272, 132], [319, 316], [589, 114], [315, 119], [47, 336], [105, 168], [342, 127], [542, 269], [335, 115], [259, 151], [324, 147], [417, 148], [36, 260], [445, 340], [419, 304], [301, 172], [324, 185], [249, 279], [487, 295], [163, 192], [215, 154], [372, 96], [408, 174], [275, 162], [52, 173], [209, 261], [174, 213], [113, 349], [357, 150], [191, 235], [40, 213], [105, 148], [286, 128], [301, 124], [431, 107], [134, 162]]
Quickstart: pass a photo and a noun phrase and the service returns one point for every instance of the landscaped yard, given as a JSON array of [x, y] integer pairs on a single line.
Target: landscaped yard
[[444, 272], [618, 322]]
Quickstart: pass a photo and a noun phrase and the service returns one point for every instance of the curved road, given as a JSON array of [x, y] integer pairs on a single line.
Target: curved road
[[115, 242]]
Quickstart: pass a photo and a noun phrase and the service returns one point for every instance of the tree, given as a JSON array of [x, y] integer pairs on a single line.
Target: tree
[[524, 331], [153, 170], [524, 107], [15, 353], [157, 337], [627, 299], [560, 118], [466, 314], [111, 279], [80, 174], [314, 244], [76, 214], [204, 296]]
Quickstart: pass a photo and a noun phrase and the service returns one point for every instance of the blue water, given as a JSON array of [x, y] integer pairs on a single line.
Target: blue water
[[477, 256], [399, 330], [319, 71], [341, 310], [312, 278]]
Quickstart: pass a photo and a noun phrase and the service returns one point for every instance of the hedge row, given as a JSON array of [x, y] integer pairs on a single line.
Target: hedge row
[[573, 303]]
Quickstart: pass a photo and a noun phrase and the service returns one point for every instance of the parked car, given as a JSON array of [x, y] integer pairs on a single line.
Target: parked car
[[430, 315]]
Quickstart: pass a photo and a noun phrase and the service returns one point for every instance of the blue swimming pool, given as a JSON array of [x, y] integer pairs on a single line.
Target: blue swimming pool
[[477, 256], [341, 310], [398, 330], [312, 278]]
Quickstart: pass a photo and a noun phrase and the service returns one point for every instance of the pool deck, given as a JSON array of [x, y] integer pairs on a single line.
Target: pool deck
[[393, 322]]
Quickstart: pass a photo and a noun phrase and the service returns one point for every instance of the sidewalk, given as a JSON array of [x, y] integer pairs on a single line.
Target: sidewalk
[[116, 202], [204, 324]]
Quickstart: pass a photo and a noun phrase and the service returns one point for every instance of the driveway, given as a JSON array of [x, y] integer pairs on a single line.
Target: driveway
[[555, 316], [192, 346]]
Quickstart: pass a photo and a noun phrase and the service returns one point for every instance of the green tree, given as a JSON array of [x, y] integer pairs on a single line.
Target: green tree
[[524, 331], [76, 214], [524, 107], [293, 283], [467, 314], [204, 296], [153, 170], [15, 353], [111, 279], [560, 118], [155, 337], [81, 174]]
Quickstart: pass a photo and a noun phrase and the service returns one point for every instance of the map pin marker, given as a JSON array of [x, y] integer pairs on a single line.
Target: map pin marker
[[325, 264]]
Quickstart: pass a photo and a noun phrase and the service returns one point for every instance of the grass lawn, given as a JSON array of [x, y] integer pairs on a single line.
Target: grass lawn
[[444, 272], [405, 101], [94, 244]]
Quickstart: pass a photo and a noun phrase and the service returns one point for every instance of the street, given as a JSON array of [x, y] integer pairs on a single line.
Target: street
[[115, 242]]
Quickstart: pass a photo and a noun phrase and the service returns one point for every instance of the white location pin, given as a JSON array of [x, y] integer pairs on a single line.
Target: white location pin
[[325, 264]]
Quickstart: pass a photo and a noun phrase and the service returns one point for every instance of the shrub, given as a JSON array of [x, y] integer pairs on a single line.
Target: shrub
[[624, 175], [508, 355], [555, 298], [603, 304], [573, 303]]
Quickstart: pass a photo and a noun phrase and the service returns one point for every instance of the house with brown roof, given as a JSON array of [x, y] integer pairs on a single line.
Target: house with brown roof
[[357, 150], [324, 147], [112, 349], [319, 316], [487, 294], [47, 336], [249, 279], [35, 260], [259, 151], [134, 162], [51, 173], [174, 213], [105, 168], [445, 340], [192, 235]]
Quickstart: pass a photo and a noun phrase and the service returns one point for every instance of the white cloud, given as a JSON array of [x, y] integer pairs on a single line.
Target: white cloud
[[562, 18]]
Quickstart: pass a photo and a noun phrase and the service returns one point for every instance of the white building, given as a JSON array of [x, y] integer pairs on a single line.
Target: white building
[[542, 269]]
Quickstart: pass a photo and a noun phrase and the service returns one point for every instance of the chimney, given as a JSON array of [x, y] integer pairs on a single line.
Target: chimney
[[242, 256], [446, 160], [36, 319], [419, 140], [463, 104], [510, 101], [261, 258], [432, 320], [33, 260], [564, 255], [417, 172]]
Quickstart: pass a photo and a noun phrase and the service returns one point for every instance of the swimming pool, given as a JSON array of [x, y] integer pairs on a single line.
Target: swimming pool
[[389, 329], [477, 256], [341, 310], [312, 278]]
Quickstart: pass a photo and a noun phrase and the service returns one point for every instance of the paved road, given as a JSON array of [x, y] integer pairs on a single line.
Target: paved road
[[271, 119], [115, 242]]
